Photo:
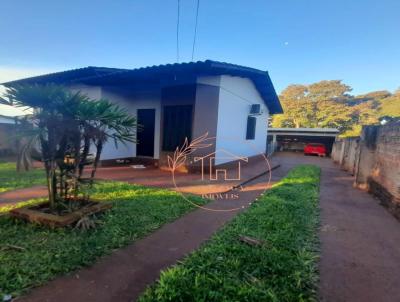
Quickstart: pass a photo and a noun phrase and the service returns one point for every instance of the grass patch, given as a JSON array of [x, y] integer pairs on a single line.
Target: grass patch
[[46, 253], [10, 179], [283, 268]]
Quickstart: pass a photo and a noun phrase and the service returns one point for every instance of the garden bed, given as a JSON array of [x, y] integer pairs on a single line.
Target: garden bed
[[267, 253], [41, 213], [31, 255]]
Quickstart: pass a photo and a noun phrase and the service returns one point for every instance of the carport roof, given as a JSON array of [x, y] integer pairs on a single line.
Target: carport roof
[[170, 72], [299, 131]]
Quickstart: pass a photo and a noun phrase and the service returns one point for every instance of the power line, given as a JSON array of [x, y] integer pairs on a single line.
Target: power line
[[177, 32], [195, 28]]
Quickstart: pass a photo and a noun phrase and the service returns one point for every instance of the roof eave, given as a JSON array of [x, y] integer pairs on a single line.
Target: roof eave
[[96, 75]]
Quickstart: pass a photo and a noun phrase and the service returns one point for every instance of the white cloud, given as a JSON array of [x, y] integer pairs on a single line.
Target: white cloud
[[10, 74]]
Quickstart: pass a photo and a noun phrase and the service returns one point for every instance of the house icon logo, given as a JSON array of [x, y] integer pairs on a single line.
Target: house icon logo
[[211, 171], [224, 174]]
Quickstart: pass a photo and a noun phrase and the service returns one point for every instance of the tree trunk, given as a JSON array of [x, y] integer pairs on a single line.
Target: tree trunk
[[50, 147], [99, 148], [52, 184], [85, 153]]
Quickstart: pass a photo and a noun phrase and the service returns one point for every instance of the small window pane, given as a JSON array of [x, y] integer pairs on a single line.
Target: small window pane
[[251, 128]]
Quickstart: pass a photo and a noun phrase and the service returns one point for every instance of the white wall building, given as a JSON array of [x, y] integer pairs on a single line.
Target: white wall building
[[172, 102]]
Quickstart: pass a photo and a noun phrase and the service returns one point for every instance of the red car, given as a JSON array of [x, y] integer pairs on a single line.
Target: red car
[[315, 149]]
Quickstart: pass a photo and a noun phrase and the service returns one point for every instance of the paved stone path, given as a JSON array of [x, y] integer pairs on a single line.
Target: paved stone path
[[15, 196]]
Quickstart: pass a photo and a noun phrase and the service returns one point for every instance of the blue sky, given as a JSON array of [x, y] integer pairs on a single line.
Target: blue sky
[[297, 41]]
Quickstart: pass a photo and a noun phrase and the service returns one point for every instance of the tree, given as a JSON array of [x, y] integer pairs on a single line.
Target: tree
[[390, 106], [320, 104], [328, 90], [293, 100], [66, 126], [373, 96], [329, 104], [364, 113]]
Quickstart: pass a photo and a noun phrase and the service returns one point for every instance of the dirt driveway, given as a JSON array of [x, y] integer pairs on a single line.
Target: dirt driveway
[[360, 239]]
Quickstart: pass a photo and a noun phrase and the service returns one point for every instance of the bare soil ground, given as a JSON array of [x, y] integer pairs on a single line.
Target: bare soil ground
[[360, 242], [360, 239]]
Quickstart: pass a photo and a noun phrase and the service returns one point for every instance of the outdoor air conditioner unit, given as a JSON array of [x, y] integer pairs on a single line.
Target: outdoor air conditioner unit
[[255, 109]]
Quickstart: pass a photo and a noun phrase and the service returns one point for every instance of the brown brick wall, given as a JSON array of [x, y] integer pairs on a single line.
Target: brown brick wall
[[374, 159], [386, 170], [345, 152]]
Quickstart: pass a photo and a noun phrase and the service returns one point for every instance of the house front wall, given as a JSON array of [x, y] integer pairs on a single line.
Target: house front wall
[[94, 92], [180, 95], [236, 96], [221, 107], [132, 102], [206, 114], [7, 139]]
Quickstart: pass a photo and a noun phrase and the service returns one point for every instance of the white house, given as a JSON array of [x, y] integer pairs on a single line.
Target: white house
[[7, 135], [231, 103]]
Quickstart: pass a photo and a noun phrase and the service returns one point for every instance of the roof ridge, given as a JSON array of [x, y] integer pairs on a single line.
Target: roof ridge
[[218, 64]]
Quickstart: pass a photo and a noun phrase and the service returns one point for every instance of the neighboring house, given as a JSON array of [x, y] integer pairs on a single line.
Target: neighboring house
[[230, 102], [7, 135]]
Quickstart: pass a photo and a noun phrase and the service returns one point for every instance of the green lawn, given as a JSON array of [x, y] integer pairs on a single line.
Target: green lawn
[[47, 253], [283, 268], [10, 179]]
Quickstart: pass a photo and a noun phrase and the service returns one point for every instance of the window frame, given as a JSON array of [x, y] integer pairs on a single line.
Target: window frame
[[251, 132]]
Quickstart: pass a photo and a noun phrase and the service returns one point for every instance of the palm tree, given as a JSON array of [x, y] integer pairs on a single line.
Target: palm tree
[[66, 128]]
